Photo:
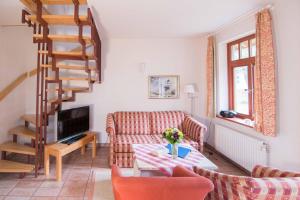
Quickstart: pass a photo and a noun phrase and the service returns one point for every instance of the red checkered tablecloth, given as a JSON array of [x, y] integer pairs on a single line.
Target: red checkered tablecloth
[[164, 162]]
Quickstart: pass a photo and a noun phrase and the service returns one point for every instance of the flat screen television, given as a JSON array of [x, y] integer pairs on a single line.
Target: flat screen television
[[72, 122]]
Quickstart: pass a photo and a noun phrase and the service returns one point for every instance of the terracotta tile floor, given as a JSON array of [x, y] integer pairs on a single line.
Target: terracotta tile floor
[[76, 181]]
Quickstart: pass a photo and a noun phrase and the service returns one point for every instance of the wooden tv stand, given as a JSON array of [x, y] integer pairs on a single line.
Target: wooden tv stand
[[58, 150]]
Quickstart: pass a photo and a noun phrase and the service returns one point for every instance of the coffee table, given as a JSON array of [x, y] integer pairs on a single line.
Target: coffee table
[[148, 164]]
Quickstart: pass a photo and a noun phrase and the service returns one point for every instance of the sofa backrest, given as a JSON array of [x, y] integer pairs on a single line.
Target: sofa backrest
[[135, 123], [141, 123], [242, 187], [161, 120], [263, 171]]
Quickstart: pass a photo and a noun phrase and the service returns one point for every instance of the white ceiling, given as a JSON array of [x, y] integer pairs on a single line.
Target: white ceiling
[[168, 18], [152, 18]]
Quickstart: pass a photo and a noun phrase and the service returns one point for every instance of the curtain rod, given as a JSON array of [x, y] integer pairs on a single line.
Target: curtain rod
[[236, 20]]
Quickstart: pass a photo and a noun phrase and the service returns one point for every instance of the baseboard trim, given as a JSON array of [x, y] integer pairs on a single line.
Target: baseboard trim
[[211, 148]]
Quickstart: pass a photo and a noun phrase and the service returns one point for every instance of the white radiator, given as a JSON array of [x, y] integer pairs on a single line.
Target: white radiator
[[242, 149]]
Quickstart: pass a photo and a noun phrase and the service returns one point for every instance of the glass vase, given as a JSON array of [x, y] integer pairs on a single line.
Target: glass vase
[[174, 151]]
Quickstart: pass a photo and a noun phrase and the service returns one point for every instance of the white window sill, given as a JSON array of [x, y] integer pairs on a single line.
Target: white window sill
[[243, 122]]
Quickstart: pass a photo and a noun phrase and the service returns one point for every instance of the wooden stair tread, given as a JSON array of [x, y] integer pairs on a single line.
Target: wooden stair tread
[[31, 118], [59, 19], [70, 79], [70, 89], [7, 166], [62, 2], [68, 53], [70, 67], [64, 38], [23, 132], [76, 89], [63, 99], [17, 148]]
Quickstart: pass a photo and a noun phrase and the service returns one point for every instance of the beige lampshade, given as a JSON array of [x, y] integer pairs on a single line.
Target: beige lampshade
[[189, 89]]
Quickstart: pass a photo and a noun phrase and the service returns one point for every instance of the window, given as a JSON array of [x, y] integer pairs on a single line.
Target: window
[[241, 60]]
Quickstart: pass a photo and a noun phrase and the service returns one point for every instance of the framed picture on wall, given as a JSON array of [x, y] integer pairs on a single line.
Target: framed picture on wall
[[163, 87]]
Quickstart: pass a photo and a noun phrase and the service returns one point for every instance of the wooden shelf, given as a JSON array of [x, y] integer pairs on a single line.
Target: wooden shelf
[[62, 2], [15, 167], [23, 132], [17, 148], [59, 19]]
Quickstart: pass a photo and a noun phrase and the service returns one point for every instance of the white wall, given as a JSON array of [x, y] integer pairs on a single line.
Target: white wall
[[125, 86], [285, 147], [16, 55]]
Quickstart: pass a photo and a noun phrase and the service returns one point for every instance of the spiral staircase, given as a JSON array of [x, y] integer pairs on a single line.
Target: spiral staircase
[[55, 74]]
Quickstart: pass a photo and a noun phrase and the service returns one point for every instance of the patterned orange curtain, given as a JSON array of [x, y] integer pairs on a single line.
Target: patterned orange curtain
[[210, 61], [264, 76]]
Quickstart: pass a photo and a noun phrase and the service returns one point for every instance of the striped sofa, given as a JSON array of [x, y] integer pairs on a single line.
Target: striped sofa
[[126, 128], [265, 184]]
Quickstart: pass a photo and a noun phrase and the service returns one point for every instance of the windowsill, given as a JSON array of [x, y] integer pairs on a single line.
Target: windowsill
[[237, 121]]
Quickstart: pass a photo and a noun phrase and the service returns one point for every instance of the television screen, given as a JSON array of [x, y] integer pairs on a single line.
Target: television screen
[[72, 122]]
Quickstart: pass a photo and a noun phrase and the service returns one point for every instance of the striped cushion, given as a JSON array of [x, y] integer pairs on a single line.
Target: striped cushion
[[240, 187], [262, 171], [132, 123], [123, 142], [158, 139], [275, 188], [160, 121]]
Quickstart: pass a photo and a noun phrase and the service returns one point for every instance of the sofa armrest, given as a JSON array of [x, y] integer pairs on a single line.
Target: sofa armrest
[[110, 124], [111, 131], [260, 171], [194, 130]]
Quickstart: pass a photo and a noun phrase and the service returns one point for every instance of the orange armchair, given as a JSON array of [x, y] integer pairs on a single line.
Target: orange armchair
[[184, 184]]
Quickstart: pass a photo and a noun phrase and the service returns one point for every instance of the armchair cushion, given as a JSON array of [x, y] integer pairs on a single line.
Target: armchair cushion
[[134, 123], [275, 188], [124, 143]]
